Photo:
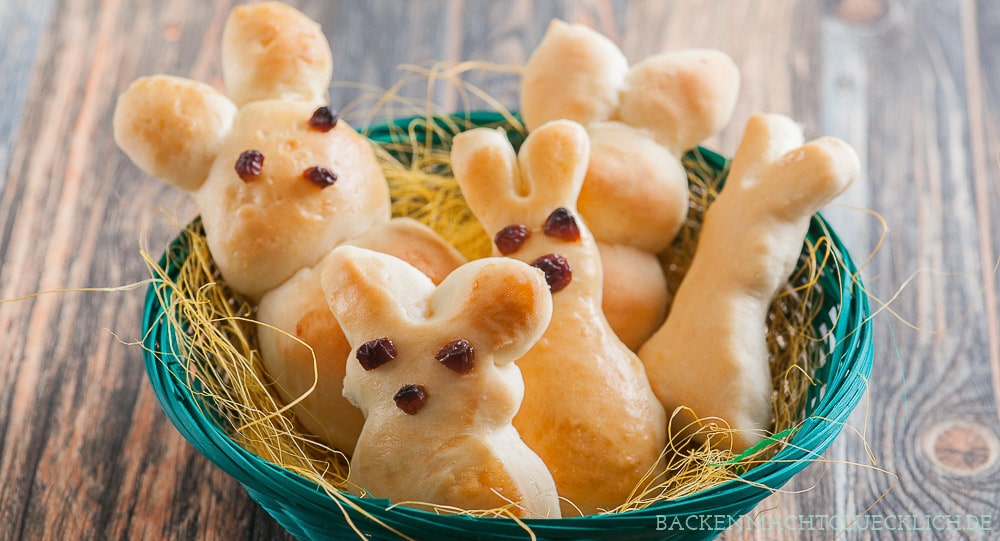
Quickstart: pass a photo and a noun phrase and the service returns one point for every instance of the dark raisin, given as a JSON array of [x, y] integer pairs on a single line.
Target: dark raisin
[[249, 164], [457, 355], [562, 225], [411, 398], [510, 238], [320, 176], [557, 272], [374, 353], [323, 119]]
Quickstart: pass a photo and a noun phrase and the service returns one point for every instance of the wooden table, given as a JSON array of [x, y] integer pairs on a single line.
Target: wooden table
[[86, 452]]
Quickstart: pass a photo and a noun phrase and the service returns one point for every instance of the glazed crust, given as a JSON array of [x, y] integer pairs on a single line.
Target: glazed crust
[[269, 214], [640, 119], [681, 97], [263, 230], [295, 315], [172, 128], [574, 74]]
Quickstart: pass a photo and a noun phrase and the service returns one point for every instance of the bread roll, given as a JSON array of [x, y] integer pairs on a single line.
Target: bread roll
[[588, 409], [641, 119], [433, 372], [709, 361]]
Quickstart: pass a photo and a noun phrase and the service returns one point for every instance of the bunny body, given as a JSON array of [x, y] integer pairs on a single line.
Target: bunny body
[[710, 357], [588, 409]]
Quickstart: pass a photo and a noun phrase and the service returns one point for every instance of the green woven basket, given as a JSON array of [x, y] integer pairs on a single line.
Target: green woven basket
[[307, 512]]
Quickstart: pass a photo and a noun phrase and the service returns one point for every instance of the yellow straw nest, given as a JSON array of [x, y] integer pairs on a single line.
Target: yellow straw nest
[[221, 361]]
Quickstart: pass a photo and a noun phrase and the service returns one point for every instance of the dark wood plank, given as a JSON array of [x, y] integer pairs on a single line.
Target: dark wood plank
[[898, 88], [86, 450]]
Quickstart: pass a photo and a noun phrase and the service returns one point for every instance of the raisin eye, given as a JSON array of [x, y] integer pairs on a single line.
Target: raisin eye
[[557, 272], [410, 398], [375, 353], [323, 119], [320, 176], [249, 164], [562, 225], [458, 355], [510, 238]]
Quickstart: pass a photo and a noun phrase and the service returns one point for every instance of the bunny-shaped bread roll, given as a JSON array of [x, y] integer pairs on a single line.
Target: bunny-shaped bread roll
[[640, 119], [710, 357], [433, 371], [588, 409], [279, 181]]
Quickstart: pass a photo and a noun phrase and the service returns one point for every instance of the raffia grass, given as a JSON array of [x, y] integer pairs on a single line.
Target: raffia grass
[[221, 360]]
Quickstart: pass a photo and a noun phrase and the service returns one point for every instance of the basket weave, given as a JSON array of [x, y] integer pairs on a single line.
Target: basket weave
[[307, 512]]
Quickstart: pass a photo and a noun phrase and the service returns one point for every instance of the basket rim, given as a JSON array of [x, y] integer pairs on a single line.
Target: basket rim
[[850, 361]]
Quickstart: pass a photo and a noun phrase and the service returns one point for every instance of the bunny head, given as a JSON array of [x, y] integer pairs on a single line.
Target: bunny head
[[479, 320], [432, 370], [277, 178], [527, 201]]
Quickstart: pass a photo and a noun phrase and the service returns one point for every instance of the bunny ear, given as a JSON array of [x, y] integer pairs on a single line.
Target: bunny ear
[[369, 292], [273, 51], [766, 138], [497, 184], [810, 176], [485, 166], [681, 97], [575, 73], [172, 128], [500, 304], [554, 160]]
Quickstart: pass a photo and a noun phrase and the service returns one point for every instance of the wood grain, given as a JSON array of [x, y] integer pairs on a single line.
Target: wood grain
[[86, 452]]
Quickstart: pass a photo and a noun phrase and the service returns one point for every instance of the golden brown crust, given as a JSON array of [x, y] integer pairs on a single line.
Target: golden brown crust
[[263, 230], [269, 214], [640, 120], [272, 51], [414, 243], [681, 97], [627, 169], [635, 300], [172, 128], [297, 311]]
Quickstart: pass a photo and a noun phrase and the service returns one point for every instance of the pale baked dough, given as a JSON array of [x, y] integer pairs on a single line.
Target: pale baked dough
[[588, 409], [459, 449], [641, 119], [709, 361]]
